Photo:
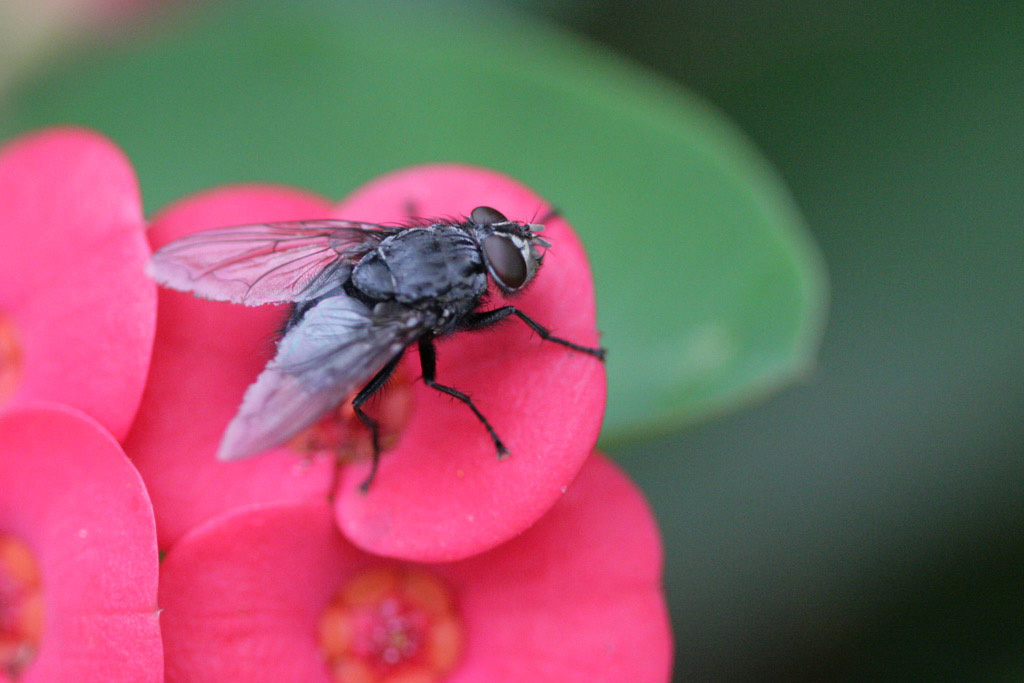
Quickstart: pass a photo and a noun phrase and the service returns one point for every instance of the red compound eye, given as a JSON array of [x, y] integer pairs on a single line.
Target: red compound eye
[[506, 260], [485, 215]]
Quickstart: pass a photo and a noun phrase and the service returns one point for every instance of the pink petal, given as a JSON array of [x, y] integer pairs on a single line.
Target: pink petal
[[71, 273], [205, 355], [70, 493], [577, 597], [578, 594], [242, 595], [441, 493]]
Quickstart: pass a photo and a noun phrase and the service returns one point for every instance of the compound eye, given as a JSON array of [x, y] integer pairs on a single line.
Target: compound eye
[[506, 260], [485, 215]]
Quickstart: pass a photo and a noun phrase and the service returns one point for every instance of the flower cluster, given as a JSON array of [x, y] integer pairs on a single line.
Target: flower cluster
[[454, 566]]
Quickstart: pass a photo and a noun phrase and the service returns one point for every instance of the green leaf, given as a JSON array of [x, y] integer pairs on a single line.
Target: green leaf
[[709, 290]]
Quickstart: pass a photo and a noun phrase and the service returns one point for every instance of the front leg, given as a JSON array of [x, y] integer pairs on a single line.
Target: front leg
[[484, 319], [428, 361]]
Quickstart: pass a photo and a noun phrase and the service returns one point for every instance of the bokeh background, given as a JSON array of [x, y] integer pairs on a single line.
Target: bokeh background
[[839, 501]]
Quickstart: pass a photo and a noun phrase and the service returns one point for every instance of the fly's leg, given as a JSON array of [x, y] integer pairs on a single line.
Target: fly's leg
[[364, 395], [551, 213], [428, 361], [412, 212], [483, 319]]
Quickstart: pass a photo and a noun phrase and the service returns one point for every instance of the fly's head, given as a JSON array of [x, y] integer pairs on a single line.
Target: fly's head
[[510, 248]]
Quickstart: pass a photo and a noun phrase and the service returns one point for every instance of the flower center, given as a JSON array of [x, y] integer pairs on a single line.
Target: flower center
[[391, 625], [21, 606], [10, 358], [342, 433]]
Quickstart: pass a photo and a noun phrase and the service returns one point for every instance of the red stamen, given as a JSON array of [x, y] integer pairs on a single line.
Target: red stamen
[[391, 625], [10, 358], [21, 606]]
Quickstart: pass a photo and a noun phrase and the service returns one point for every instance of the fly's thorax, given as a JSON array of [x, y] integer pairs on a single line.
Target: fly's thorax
[[436, 265], [373, 278]]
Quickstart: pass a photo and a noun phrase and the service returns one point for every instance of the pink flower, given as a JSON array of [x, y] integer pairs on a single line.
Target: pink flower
[[77, 312], [204, 356], [78, 556], [441, 493], [274, 593]]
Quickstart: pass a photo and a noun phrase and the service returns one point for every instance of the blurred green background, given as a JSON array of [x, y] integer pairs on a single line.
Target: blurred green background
[[867, 525], [863, 523]]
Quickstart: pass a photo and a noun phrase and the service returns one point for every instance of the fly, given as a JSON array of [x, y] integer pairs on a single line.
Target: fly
[[361, 293]]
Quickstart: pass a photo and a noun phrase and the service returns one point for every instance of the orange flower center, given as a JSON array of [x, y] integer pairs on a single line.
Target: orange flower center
[[21, 606], [10, 358], [342, 433], [391, 625]]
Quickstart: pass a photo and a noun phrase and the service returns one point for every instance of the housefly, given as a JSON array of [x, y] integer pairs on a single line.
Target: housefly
[[361, 293]]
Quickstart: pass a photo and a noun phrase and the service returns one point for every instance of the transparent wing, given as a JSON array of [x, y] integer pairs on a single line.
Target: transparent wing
[[334, 350], [269, 263]]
